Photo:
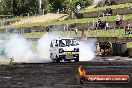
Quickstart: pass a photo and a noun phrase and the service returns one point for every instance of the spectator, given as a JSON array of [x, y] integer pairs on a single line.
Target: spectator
[[11, 60], [122, 19], [127, 28], [106, 2], [106, 25], [83, 36], [76, 30], [117, 20], [78, 7], [47, 29], [99, 23]]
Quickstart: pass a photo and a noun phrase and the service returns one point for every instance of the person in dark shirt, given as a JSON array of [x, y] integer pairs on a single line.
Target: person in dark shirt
[[99, 23]]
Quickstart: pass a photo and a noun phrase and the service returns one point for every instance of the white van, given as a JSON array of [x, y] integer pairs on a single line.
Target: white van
[[64, 49]]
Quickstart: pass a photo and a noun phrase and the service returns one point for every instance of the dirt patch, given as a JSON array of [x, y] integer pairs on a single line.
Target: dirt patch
[[42, 18]]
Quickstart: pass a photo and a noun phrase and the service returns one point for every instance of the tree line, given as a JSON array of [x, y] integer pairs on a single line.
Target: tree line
[[23, 7]]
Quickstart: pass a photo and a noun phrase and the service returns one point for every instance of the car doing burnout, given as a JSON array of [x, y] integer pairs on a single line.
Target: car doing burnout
[[64, 50]]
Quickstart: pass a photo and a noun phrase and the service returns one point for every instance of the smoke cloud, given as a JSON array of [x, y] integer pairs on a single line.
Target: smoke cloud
[[18, 48], [21, 49], [43, 47], [87, 50]]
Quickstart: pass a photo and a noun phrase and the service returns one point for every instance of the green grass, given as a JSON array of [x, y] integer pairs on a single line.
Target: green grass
[[14, 19], [89, 33], [98, 33], [103, 8], [94, 33], [70, 21], [112, 33], [33, 35], [129, 45]]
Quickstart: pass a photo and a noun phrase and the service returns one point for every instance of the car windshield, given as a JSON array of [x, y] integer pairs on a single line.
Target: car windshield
[[67, 42]]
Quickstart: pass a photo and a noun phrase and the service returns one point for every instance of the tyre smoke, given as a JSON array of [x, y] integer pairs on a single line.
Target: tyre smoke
[[18, 48], [43, 47], [87, 50], [21, 49]]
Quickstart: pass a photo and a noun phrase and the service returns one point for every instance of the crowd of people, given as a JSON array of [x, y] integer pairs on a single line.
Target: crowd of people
[[102, 24], [120, 22]]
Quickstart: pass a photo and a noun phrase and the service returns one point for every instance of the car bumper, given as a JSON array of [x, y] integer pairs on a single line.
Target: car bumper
[[69, 56]]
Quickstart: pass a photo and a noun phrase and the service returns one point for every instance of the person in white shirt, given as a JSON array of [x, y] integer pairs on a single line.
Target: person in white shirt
[[118, 20], [106, 25]]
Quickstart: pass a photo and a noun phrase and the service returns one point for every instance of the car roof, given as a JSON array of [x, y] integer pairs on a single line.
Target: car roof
[[65, 38], [62, 38]]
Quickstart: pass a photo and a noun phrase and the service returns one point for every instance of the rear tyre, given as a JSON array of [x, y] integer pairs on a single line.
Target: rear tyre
[[57, 59], [77, 59], [52, 59]]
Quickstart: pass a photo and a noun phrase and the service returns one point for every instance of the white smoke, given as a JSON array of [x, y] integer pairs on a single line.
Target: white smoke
[[18, 48], [43, 47], [21, 49], [87, 50]]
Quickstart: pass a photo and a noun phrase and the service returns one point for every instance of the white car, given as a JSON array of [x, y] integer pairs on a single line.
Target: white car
[[64, 49]]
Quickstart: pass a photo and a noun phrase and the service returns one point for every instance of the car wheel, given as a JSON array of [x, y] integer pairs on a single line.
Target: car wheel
[[77, 59], [52, 59], [57, 59]]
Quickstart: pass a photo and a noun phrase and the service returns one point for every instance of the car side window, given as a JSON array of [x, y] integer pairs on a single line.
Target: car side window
[[51, 44], [56, 43]]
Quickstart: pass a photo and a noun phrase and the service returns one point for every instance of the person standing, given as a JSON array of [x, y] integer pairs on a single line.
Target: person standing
[[76, 30], [106, 25], [83, 36], [127, 29], [99, 24], [117, 20], [122, 19]]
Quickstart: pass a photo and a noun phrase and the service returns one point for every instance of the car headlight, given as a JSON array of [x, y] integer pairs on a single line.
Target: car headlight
[[76, 49], [61, 50]]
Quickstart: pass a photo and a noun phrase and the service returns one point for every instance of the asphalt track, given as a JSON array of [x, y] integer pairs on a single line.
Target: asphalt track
[[60, 75]]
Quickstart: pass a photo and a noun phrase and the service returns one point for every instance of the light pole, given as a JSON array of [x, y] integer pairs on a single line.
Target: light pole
[[40, 7], [1, 8]]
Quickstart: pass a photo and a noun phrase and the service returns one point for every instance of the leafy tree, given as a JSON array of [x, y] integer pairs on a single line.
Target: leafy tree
[[46, 6], [22, 7], [56, 4], [19, 7], [5, 7]]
